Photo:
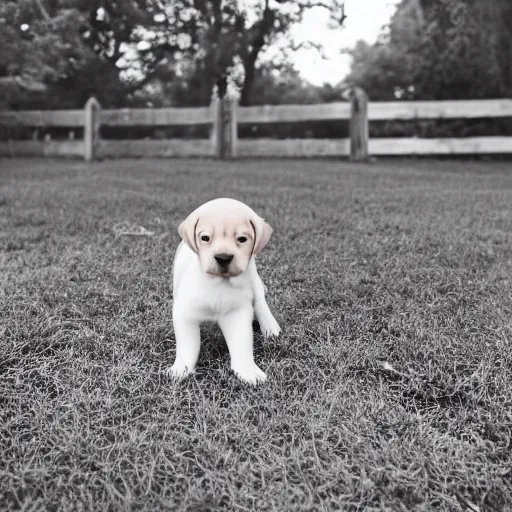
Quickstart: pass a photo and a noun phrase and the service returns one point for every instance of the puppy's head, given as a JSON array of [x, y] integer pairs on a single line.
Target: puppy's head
[[225, 233]]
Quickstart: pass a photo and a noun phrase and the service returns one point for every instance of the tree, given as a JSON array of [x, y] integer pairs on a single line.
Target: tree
[[60, 52], [219, 40], [66, 50], [283, 85], [274, 22], [377, 70], [37, 49], [115, 23], [457, 51], [439, 49]]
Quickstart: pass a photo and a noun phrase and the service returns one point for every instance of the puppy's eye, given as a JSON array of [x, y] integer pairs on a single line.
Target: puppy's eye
[[242, 239], [205, 238]]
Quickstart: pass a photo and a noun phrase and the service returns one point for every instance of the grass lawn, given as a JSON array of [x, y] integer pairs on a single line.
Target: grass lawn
[[389, 389]]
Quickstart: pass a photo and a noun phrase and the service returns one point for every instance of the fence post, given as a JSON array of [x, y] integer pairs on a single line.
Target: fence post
[[92, 123], [359, 133], [233, 126], [225, 131], [214, 134]]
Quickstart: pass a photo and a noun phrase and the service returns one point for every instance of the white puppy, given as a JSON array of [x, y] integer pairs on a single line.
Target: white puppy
[[215, 278]]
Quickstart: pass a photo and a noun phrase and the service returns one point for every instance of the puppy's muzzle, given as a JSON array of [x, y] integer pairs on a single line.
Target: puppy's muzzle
[[223, 259]]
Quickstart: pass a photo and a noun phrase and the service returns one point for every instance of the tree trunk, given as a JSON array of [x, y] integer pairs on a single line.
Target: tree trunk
[[263, 28], [250, 71], [222, 86], [245, 94]]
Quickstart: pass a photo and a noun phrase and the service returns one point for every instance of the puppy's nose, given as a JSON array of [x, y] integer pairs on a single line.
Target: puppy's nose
[[223, 259]]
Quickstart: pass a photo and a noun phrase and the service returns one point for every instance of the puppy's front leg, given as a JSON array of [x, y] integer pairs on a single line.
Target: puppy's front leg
[[188, 342], [237, 329], [268, 324]]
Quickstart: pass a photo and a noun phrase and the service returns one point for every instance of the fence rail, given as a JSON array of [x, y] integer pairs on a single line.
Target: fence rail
[[43, 118], [157, 117], [455, 109], [224, 117]]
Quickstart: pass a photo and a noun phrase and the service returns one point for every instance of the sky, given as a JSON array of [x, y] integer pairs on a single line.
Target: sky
[[365, 18]]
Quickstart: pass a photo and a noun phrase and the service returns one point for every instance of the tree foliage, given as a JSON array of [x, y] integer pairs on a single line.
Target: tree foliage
[[273, 23], [283, 85], [439, 49], [37, 49], [60, 52], [207, 43]]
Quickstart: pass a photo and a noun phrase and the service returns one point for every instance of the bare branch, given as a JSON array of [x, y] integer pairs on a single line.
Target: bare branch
[[308, 45], [44, 12], [336, 8]]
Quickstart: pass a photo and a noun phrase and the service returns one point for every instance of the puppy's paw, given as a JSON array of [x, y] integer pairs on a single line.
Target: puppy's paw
[[250, 373], [178, 371], [269, 327]]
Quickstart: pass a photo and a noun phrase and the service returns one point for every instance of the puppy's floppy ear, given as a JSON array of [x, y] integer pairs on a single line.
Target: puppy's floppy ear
[[187, 230], [262, 233]]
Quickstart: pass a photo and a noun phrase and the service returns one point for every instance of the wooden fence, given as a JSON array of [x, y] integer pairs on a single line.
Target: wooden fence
[[224, 117]]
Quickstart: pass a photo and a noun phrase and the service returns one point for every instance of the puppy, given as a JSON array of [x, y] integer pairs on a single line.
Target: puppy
[[215, 279]]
